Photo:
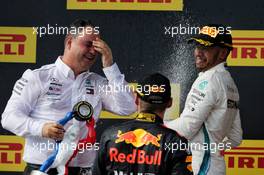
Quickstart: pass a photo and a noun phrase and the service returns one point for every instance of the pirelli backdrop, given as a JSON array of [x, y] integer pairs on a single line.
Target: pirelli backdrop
[[146, 36]]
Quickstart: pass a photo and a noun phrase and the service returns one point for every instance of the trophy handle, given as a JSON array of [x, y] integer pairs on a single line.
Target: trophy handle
[[67, 118]]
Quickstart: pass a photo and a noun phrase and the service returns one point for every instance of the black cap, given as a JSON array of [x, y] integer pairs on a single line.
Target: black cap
[[154, 89], [214, 35]]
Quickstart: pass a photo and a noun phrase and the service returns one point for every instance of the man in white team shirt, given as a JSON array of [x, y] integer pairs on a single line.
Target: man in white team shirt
[[211, 116], [43, 96]]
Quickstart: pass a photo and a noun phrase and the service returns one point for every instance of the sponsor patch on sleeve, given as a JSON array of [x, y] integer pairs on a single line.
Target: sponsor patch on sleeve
[[202, 85], [19, 86], [232, 104]]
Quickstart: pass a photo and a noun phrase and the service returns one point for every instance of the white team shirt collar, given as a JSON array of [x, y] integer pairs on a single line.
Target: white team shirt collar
[[66, 70], [220, 66]]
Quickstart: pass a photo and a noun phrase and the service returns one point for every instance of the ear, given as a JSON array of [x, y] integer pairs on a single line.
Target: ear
[[224, 53], [68, 42], [169, 104]]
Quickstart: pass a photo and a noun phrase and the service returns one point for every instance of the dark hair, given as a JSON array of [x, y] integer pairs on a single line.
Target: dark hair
[[75, 25], [81, 23], [152, 108]]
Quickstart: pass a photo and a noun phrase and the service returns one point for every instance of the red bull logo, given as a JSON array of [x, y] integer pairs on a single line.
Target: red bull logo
[[138, 138], [136, 157]]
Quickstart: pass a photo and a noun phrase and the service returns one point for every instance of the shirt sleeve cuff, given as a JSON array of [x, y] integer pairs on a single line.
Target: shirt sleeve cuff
[[112, 72], [37, 128]]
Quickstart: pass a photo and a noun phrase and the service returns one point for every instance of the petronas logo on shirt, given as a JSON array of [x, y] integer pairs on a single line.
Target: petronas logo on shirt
[[88, 83], [203, 85]]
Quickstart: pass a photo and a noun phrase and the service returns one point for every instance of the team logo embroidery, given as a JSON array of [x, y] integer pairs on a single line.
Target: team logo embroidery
[[203, 85]]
